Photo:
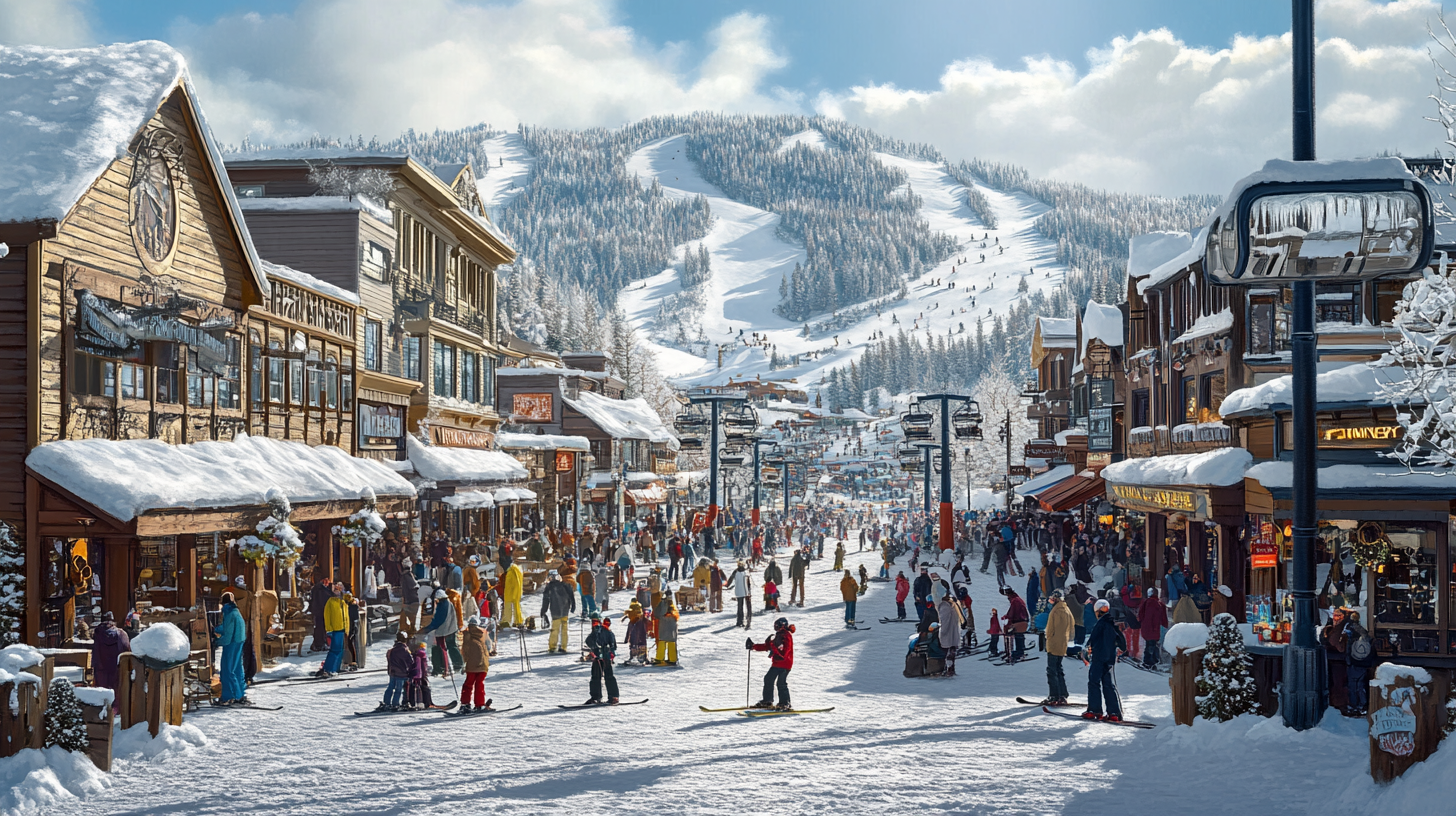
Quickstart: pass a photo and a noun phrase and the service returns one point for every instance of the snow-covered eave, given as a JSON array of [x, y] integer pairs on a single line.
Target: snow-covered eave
[[1390, 481], [1208, 325], [524, 441], [1354, 386], [1218, 468], [1178, 266]]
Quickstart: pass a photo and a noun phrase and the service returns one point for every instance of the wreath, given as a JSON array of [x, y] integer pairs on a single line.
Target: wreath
[[1370, 546]]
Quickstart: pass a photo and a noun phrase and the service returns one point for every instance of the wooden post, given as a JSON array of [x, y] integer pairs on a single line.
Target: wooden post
[[186, 571], [24, 727], [130, 690], [1407, 718], [98, 734], [1184, 684]]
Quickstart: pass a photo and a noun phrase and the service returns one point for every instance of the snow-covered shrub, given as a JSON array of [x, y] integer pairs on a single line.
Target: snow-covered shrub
[[12, 585], [276, 538], [1225, 687], [364, 527], [63, 723]]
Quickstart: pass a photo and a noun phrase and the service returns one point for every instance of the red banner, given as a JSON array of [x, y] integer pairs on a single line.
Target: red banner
[[1263, 552]]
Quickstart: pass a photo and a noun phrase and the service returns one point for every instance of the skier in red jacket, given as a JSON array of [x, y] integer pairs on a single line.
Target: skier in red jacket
[[780, 646]]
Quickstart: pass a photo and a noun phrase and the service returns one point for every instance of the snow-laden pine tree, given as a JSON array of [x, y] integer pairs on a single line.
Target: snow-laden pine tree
[[1424, 385], [63, 723], [12, 585], [1225, 687]]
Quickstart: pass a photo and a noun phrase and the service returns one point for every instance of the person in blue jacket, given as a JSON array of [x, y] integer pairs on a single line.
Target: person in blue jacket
[[1089, 617], [1104, 644], [230, 636]]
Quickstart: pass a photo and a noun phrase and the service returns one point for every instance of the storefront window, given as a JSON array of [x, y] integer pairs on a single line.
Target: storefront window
[[1407, 588], [1210, 397], [200, 385], [255, 363], [92, 376], [372, 356], [295, 382], [410, 358], [166, 358], [469, 387], [443, 361], [1268, 322], [331, 382], [1337, 303], [1190, 399]]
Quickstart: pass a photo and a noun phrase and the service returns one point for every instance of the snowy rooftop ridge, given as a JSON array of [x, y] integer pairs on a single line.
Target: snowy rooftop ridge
[[1100, 322], [1207, 325], [308, 281], [1151, 250], [317, 203], [1218, 468], [129, 478], [1170, 268], [623, 419], [440, 464], [1355, 384], [69, 113]]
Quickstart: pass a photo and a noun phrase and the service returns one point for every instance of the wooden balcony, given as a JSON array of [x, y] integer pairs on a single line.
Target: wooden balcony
[[1200, 437]]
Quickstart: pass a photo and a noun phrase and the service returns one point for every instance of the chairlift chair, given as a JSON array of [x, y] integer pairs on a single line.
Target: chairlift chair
[[690, 443], [965, 422], [916, 423]]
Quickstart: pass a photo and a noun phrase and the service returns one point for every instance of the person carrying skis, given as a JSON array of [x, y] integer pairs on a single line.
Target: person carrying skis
[[1104, 644], [849, 591], [780, 646], [902, 591], [1058, 635], [602, 645]]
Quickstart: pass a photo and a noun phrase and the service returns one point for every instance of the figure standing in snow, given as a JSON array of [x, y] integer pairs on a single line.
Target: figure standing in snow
[[1104, 644], [602, 645], [231, 633], [780, 646]]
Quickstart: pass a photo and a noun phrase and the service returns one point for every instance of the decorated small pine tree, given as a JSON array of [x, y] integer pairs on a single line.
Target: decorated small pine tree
[[63, 723], [12, 585], [1225, 687]]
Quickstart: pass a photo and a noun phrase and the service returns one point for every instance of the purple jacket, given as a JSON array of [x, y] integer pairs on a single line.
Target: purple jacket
[[106, 649]]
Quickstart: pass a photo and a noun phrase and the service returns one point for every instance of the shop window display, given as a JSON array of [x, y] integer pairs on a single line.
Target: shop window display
[[1406, 595]]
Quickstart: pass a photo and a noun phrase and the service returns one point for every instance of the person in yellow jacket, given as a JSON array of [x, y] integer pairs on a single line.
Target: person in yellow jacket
[[1060, 628], [511, 614], [336, 627]]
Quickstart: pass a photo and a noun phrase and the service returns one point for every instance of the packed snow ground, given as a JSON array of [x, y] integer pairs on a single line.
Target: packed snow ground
[[749, 259], [892, 745]]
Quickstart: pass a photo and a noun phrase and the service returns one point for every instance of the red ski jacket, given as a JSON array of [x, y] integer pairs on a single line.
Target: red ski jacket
[[780, 648]]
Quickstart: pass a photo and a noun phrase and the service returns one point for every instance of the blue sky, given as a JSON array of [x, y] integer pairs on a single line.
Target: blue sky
[[1168, 96]]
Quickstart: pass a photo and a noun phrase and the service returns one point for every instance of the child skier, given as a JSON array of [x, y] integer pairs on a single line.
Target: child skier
[[602, 645], [401, 665], [419, 687], [780, 646], [636, 633], [994, 632], [770, 596]]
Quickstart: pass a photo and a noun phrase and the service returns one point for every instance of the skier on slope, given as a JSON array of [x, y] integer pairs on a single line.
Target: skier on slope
[[602, 645], [780, 646], [1104, 644]]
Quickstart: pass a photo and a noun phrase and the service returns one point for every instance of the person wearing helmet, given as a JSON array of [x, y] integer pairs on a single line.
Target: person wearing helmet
[[1104, 644], [780, 646], [602, 645]]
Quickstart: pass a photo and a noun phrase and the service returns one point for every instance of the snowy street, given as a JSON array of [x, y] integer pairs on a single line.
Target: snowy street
[[892, 745]]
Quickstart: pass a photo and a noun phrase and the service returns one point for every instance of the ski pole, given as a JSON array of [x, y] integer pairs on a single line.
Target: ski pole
[[748, 680]]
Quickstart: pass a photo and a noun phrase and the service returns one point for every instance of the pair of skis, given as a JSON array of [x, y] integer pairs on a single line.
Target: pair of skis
[[386, 713], [1048, 709], [758, 713], [599, 705], [246, 707]]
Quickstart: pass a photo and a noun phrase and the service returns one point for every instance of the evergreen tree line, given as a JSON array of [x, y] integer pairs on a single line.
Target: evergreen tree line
[[975, 199]]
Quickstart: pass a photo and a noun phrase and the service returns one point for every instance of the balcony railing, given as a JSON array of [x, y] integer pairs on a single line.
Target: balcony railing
[[1202, 436]]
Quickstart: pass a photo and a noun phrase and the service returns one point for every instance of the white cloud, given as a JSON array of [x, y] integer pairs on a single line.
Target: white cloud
[[1153, 114], [60, 23], [378, 67]]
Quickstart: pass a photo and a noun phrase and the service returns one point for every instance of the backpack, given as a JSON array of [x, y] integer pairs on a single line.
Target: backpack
[[1360, 648]]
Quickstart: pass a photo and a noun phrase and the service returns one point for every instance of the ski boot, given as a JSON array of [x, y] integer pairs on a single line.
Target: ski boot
[[612, 701], [592, 702], [1091, 715], [465, 709], [762, 704], [1112, 718]]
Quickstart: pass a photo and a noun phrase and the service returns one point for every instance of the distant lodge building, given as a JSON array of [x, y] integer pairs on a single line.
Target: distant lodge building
[[1171, 412], [199, 341]]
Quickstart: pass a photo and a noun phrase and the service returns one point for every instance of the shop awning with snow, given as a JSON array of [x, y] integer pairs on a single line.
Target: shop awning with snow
[[1071, 493], [150, 488], [544, 442], [1045, 480], [458, 466]]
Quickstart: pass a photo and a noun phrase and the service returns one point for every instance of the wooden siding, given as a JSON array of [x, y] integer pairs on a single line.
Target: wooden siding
[[322, 244], [14, 395]]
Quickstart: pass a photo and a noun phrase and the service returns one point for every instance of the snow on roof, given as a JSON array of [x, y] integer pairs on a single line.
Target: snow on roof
[[1208, 324], [1055, 329], [317, 203], [448, 172], [539, 370], [1218, 468], [308, 281], [855, 414], [1349, 477], [1045, 480], [1387, 673], [162, 641], [1355, 384], [1284, 170], [525, 441], [471, 500], [441, 464], [1186, 636], [1062, 436], [623, 419], [69, 113], [1169, 269], [1151, 250], [485, 224], [95, 695], [1100, 322], [128, 478], [15, 659], [355, 155]]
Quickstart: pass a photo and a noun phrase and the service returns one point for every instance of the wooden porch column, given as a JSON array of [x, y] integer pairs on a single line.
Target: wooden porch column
[[120, 577], [324, 532], [186, 571], [33, 595], [1197, 544], [1156, 529], [1232, 564]]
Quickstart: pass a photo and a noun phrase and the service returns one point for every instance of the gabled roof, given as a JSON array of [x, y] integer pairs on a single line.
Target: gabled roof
[[68, 113], [449, 173]]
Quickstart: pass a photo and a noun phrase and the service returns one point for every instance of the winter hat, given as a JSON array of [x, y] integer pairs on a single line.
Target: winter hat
[[439, 595], [1057, 594], [474, 560], [596, 617], [401, 637], [1101, 605], [1225, 591]]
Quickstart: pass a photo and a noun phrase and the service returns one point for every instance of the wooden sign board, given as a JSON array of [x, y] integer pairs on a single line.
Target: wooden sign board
[[531, 407]]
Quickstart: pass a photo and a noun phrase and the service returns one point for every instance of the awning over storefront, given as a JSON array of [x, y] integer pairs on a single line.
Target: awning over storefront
[[163, 489], [551, 442], [1071, 493], [470, 465], [653, 494], [471, 500], [1045, 480]]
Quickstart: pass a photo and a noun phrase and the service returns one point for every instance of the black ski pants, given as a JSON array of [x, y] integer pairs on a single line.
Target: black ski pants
[[602, 670], [776, 677]]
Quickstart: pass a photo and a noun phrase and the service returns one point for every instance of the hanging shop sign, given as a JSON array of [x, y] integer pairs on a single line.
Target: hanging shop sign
[[1264, 549], [1098, 460], [110, 329], [1159, 499], [531, 408], [380, 424], [448, 437], [1099, 429], [1035, 450], [565, 461], [1359, 434]]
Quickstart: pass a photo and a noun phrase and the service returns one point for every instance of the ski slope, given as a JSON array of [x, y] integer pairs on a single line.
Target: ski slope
[[506, 169], [748, 260], [891, 746]]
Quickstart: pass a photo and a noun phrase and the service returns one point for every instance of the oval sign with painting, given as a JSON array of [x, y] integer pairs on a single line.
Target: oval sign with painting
[[153, 199]]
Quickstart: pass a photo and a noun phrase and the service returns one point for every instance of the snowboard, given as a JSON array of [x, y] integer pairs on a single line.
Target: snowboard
[[1079, 718], [376, 713], [758, 713], [600, 705]]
